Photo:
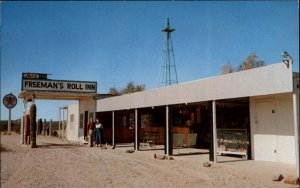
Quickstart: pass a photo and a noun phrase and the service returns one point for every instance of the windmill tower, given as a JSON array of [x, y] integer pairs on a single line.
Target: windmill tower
[[169, 67]]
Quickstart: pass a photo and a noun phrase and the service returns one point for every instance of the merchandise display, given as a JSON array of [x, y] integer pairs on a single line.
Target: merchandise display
[[232, 141]]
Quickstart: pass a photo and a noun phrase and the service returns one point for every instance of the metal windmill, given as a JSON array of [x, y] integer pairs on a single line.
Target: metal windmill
[[169, 67]]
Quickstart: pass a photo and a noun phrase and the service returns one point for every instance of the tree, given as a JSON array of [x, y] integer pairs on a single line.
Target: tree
[[251, 62], [139, 88], [114, 91], [130, 88], [226, 68]]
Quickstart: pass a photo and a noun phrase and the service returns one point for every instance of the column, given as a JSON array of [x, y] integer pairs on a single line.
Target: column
[[38, 127], [63, 123], [167, 132], [50, 128], [22, 120], [214, 131], [9, 122], [44, 127], [136, 141], [22, 130], [59, 123], [296, 125], [113, 129]]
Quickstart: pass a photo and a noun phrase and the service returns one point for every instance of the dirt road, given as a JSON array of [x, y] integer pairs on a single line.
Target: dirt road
[[57, 163]]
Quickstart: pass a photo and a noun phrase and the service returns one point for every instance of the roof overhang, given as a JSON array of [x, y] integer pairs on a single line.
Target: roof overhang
[[266, 80], [47, 95]]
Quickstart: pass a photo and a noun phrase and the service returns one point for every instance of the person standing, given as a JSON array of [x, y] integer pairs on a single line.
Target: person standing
[[91, 132], [99, 128]]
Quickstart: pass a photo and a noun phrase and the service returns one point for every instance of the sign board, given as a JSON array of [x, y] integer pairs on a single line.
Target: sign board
[[29, 75], [59, 86], [10, 101]]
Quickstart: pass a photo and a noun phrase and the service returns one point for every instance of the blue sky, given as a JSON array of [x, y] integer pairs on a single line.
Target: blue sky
[[81, 40]]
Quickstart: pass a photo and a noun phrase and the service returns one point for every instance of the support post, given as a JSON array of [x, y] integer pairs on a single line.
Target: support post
[[22, 121], [38, 127], [214, 131], [113, 129], [22, 130], [136, 141], [33, 125], [59, 123], [44, 127], [59, 129], [63, 123], [25, 122], [9, 122], [50, 128], [26, 127], [296, 125], [167, 147]]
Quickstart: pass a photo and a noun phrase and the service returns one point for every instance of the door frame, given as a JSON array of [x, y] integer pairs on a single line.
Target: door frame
[[269, 104]]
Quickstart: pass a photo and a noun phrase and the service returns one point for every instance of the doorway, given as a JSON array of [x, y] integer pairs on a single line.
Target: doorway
[[265, 139]]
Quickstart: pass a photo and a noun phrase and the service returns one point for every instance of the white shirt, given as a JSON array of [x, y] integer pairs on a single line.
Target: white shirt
[[99, 125]]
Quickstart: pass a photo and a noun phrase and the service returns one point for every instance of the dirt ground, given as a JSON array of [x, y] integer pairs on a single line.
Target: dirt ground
[[57, 163]]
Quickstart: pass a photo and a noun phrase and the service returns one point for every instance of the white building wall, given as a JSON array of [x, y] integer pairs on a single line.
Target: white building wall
[[88, 105], [272, 128], [73, 126], [286, 135]]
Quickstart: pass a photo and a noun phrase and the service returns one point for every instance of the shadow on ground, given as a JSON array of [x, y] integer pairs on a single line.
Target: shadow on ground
[[3, 149], [52, 145], [190, 153]]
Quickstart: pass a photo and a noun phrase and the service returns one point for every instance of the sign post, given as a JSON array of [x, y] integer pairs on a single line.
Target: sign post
[[9, 101]]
